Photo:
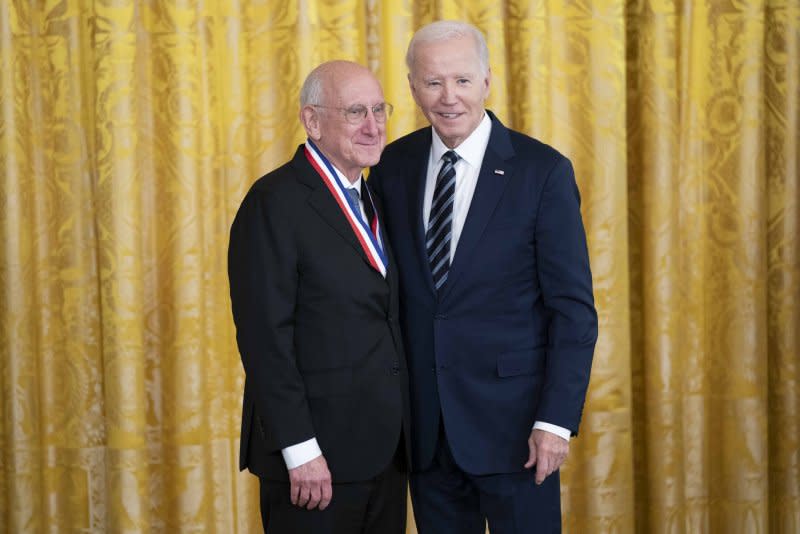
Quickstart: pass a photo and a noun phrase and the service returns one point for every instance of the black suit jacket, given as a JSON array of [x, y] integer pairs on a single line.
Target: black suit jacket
[[509, 338], [317, 329]]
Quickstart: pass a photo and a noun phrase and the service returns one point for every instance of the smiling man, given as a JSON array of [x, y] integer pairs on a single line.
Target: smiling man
[[314, 293], [497, 308]]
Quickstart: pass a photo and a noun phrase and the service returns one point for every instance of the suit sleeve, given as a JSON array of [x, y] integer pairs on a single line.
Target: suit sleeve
[[262, 269], [566, 282]]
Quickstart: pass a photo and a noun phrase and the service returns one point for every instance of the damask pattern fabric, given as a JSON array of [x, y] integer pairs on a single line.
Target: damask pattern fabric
[[130, 132]]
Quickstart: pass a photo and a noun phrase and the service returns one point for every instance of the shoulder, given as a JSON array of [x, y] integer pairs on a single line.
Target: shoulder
[[533, 153], [528, 150], [278, 180], [282, 183], [400, 159], [542, 166], [271, 194], [530, 147], [409, 146]]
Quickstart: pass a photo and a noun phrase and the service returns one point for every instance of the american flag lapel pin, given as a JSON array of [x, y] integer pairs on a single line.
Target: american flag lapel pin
[[501, 172]]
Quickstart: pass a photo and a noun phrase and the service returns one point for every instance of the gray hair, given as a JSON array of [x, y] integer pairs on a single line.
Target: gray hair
[[444, 30], [311, 92]]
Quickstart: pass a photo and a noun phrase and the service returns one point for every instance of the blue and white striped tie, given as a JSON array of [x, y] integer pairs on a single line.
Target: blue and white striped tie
[[437, 238]]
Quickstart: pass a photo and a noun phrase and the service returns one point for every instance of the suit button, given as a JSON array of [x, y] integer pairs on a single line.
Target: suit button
[[395, 369]]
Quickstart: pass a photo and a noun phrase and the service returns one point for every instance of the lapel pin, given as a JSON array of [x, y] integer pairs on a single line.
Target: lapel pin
[[499, 171]]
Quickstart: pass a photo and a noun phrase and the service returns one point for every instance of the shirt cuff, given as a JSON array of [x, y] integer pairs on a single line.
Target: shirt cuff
[[301, 453], [559, 431]]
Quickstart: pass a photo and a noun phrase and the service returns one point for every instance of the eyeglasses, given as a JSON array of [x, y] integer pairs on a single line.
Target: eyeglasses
[[356, 114]]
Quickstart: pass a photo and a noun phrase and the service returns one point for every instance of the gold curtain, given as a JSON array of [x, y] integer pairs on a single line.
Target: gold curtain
[[130, 130]]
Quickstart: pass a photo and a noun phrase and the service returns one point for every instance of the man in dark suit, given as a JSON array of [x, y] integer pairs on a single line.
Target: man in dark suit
[[496, 300], [314, 293]]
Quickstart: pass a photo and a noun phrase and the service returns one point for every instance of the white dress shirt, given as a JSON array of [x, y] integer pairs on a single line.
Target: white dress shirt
[[470, 153], [468, 167]]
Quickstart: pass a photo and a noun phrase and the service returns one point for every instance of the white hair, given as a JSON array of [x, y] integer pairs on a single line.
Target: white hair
[[444, 30], [311, 92]]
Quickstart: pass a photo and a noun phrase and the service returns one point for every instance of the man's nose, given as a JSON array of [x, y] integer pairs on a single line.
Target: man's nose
[[369, 124], [448, 93]]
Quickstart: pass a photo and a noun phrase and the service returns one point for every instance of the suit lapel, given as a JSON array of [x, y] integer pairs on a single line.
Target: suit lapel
[[391, 268], [321, 201], [488, 191], [416, 197], [327, 208]]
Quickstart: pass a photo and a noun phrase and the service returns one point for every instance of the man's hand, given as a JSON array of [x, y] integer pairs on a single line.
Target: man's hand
[[310, 484], [547, 453]]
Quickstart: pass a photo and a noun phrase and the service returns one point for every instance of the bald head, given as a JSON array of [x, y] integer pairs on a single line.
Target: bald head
[[326, 77], [330, 102]]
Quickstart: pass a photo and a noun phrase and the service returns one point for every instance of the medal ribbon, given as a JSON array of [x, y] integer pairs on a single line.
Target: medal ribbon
[[368, 235]]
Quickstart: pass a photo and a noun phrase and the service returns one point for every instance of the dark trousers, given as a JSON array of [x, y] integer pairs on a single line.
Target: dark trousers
[[449, 501], [376, 506]]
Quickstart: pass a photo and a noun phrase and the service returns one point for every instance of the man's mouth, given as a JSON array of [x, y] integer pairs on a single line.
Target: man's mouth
[[449, 115]]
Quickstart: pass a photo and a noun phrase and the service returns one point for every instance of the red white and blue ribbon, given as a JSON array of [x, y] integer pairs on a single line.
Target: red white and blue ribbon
[[369, 236]]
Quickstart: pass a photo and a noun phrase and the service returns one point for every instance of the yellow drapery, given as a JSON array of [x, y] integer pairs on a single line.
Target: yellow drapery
[[130, 130]]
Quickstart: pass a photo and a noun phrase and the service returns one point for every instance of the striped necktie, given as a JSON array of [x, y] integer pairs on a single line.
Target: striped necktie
[[437, 238]]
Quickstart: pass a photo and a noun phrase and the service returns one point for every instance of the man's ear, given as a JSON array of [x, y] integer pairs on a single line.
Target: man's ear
[[487, 82], [412, 89], [309, 116]]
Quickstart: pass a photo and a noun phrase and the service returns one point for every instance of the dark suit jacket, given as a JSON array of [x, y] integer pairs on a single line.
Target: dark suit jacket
[[510, 339], [317, 330]]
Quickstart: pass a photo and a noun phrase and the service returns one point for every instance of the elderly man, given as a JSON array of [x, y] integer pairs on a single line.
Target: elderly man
[[314, 293], [496, 304]]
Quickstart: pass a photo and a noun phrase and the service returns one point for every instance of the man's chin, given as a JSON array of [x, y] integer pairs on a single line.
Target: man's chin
[[370, 158], [371, 163], [448, 129]]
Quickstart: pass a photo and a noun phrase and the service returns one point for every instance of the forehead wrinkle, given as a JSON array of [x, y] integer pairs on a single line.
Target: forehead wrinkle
[[370, 95]]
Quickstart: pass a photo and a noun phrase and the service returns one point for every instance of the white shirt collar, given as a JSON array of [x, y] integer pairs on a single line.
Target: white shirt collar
[[471, 149], [347, 184], [357, 186]]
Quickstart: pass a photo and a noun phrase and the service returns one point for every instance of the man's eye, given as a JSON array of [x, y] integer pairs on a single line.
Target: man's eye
[[433, 83], [355, 113], [463, 81]]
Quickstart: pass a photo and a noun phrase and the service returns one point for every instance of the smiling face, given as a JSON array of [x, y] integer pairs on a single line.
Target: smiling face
[[450, 86], [349, 147]]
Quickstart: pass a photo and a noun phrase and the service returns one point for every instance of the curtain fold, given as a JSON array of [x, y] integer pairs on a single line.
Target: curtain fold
[[130, 131]]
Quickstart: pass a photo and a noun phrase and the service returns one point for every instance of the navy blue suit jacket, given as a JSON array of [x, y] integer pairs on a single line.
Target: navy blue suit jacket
[[509, 339]]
